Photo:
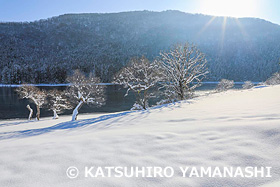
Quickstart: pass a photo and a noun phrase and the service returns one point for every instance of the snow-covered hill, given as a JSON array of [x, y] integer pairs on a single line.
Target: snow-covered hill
[[234, 128]]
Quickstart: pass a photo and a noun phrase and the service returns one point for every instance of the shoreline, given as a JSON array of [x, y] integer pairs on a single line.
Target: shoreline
[[106, 84], [197, 94]]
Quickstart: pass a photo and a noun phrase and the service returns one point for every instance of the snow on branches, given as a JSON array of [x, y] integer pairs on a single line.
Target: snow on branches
[[57, 102], [274, 79], [224, 85], [139, 76], [183, 68], [85, 90], [33, 94], [248, 85]]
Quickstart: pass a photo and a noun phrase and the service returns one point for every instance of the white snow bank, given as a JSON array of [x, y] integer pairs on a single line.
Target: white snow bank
[[234, 128]]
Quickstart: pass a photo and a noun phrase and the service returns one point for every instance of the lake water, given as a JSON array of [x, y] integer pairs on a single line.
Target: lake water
[[13, 107]]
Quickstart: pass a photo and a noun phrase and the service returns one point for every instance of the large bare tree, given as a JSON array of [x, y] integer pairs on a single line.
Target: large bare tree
[[34, 95], [139, 76], [183, 68], [85, 90]]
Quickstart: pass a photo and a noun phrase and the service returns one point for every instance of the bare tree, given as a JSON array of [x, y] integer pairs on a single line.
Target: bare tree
[[183, 68], [33, 94], [224, 85], [140, 76], [85, 90], [57, 102]]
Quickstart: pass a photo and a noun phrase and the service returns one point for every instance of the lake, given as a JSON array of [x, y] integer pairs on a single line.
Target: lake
[[13, 107]]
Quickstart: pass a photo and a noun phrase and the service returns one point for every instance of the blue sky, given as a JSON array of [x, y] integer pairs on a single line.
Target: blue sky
[[30, 10]]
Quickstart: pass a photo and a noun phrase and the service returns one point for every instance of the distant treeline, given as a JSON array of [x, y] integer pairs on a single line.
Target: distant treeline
[[47, 51]]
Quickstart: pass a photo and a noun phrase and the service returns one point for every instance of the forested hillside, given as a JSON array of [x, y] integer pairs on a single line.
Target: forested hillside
[[46, 51]]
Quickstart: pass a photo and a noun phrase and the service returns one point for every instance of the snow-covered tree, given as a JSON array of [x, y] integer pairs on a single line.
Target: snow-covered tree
[[34, 94], [274, 79], [139, 76], [224, 85], [85, 90], [248, 85], [183, 68], [57, 102]]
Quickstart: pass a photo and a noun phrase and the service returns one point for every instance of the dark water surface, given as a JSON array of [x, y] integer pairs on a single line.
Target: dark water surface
[[13, 107]]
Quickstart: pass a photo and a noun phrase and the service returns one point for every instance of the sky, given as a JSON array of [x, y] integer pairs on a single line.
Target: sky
[[31, 10]]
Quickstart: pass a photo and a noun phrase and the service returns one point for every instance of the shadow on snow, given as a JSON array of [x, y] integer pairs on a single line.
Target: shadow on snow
[[74, 124]]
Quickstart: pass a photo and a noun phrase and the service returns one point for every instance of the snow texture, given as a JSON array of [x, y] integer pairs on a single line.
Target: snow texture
[[233, 128]]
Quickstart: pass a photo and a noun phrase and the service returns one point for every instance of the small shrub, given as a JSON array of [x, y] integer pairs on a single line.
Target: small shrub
[[224, 85], [248, 85], [275, 79], [137, 107], [166, 101]]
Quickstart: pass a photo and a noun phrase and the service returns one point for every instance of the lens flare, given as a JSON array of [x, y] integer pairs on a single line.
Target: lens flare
[[233, 8]]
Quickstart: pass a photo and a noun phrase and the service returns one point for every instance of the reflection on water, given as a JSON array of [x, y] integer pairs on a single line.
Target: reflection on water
[[13, 107]]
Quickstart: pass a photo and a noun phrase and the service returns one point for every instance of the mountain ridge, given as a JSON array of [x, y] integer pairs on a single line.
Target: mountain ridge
[[102, 13]]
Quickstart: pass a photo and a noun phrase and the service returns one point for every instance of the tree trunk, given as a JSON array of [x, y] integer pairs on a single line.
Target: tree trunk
[[30, 113], [38, 112], [76, 110], [181, 94], [55, 116], [144, 105], [145, 100]]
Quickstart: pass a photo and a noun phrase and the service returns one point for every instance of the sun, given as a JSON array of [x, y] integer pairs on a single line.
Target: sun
[[232, 8]]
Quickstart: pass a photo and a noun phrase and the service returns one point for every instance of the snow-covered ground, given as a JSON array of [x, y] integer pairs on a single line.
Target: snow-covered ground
[[234, 128]]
